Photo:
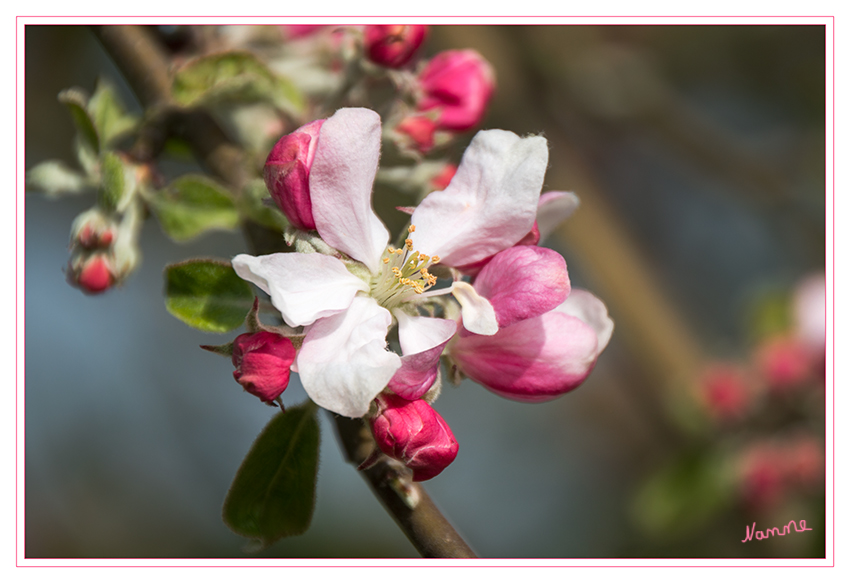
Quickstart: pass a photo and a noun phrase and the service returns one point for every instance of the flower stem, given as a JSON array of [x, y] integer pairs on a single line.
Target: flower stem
[[145, 65]]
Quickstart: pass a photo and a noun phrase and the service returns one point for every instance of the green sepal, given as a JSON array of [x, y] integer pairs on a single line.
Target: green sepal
[[233, 77], [225, 350], [274, 491], [193, 204], [207, 294]]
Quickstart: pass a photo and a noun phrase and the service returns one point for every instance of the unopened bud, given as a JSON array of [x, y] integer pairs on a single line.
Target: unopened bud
[[393, 45], [459, 85], [413, 433], [93, 274], [287, 174], [92, 230], [418, 132], [262, 361]]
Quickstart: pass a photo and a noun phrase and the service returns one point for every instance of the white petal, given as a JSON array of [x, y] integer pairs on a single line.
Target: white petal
[[418, 334], [303, 286], [490, 204], [554, 208], [341, 185], [589, 309], [478, 314], [344, 363]]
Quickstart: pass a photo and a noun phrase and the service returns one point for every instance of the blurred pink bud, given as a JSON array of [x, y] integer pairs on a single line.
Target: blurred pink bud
[[784, 363], [810, 316], [287, 174], [413, 433], [441, 180], [459, 84], [725, 390], [92, 274], [760, 473], [92, 230], [393, 45], [262, 361], [293, 31], [419, 131], [804, 461]]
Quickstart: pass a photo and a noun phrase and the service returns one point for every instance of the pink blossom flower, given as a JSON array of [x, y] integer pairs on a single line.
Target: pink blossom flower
[[459, 85], [262, 361], [393, 45], [348, 303], [287, 172], [783, 362], [809, 306], [413, 433], [418, 132], [549, 336]]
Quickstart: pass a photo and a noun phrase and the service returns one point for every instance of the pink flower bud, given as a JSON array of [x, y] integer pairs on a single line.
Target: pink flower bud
[[725, 391], [418, 130], [784, 363], [92, 230], [460, 84], [92, 274], [441, 180], [413, 433], [393, 45], [262, 361], [287, 174]]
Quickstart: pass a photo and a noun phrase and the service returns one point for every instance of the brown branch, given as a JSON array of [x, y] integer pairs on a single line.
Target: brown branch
[[145, 65], [405, 500]]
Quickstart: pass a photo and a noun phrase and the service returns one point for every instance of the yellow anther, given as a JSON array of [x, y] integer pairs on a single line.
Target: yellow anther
[[386, 259], [399, 252], [391, 249], [411, 228], [435, 259], [409, 244], [424, 272]]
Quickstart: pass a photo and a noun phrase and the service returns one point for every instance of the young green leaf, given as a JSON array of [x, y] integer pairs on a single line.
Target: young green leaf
[[193, 204], [54, 178], [75, 100], [117, 182], [232, 77], [207, 294], [108, 114], [273, 493]]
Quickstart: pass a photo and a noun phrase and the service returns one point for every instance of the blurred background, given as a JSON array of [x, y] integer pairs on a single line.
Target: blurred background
[[698, 155]]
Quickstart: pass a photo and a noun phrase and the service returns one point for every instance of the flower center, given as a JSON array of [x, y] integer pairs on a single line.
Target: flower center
[[404, 273]]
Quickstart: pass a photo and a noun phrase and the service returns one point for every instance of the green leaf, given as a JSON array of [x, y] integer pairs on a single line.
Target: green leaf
[[116, 182], [193, 204], [75, 100], [207, 294], [108, 114], [253, 205], [233, 77], [273, 493], [54, 178], [685, 495]]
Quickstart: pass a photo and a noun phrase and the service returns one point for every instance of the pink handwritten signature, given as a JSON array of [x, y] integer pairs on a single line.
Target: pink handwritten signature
[[767, 533]]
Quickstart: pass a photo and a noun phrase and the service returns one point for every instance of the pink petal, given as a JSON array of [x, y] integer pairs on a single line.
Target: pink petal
[[489, 205], [534, 360], [523, 282], [422, 341], [341, 185], [592, 311], [554, 208]]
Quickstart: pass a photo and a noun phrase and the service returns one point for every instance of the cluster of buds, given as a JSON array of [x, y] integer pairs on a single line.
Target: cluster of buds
[[768, 471], [103, 249], [468, 286]]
